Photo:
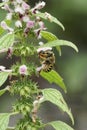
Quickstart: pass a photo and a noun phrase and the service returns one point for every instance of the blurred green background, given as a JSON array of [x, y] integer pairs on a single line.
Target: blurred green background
[[72, 66]]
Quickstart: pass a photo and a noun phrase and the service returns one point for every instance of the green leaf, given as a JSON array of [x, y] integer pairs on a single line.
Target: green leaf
[[50, 37], [4, 120], [55, 97], [3, 3], [61, 43], [51, 19], [53, 77], [6, 41], [59, 125], [1, 30], [2, 91], [3, 77]]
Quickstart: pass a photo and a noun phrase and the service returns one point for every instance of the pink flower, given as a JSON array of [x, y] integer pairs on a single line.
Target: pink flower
[[30, 24], [23, 70], [42, 26], [6, 27], [6, 7], [25, 6]]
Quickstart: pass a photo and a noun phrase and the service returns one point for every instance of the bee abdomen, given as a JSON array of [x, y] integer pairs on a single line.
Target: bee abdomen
[[48, 68]]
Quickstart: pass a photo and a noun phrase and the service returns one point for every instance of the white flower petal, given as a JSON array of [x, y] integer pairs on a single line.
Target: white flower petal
[[25, 18], [18, 23], [18, 9], [43, 49], [9, 16]]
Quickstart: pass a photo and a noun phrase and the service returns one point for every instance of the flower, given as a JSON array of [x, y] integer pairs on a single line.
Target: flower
[[19, 1], [25, 6], [48, 16], [23, 70], [38, 69], [41, 43], [26, 30], [2, 68], [9, 16], [30, 24], [6, 27], [18, 23], [9, 52], [5, 0], [37, 32], [43, 49], [25, 18], [42, 26], [39, 6], [19, 9], [6, 7]]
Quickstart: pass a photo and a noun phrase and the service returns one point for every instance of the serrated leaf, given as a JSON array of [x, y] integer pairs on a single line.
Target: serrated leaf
[[50, 37], [55, 97], [4, 120], [52, 19], [2, 91], [59, 125], [3, 77], [53, 77], [61, 43], [6, 41]]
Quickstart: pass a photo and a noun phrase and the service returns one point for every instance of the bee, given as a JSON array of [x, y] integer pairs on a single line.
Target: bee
[[47, 59]]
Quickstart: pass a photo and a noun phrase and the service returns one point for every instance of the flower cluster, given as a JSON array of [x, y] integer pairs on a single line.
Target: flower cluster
[[23, 15]]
